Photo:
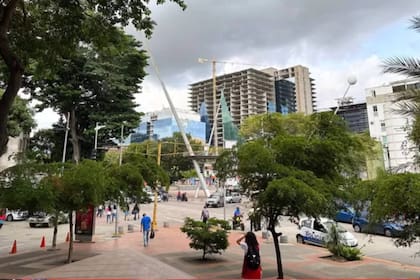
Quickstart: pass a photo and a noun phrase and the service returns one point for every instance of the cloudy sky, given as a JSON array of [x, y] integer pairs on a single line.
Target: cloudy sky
[[333, 38]]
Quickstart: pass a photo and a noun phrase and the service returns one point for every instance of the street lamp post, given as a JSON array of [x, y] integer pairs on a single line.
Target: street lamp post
[[97, 128], [120, 163], [352, 80]]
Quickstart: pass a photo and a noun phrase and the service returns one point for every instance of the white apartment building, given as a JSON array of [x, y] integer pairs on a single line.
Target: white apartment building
[[390, 127]]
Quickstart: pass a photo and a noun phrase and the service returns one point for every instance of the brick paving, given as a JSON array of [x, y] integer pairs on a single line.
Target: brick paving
[[169, 257]]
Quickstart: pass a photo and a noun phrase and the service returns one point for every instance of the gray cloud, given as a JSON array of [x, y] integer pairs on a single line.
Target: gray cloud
[[269, 32]]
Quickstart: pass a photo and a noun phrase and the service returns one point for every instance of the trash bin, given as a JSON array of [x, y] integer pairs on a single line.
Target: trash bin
[[120, 229], [265, 234], [130, 228], [283, 239]]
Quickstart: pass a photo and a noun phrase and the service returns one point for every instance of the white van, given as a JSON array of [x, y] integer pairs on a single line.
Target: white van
[[315, 231]]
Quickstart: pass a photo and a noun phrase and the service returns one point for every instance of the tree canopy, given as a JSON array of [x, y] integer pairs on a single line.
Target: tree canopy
[[294, 165], [39, 33]]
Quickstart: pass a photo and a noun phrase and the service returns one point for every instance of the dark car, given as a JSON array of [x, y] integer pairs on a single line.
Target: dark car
[[387, 228], [345, 214]]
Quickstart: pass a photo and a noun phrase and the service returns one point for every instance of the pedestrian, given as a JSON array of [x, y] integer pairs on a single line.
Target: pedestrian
[[251, 267], [136, 211], [108, 214], [126, 211], [100, 211], [114, 213], [205, 214], [178, 196], [145, 224]]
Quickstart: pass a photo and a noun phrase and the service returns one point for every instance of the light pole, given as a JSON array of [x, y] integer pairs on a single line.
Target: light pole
[[97, 127], [120, 163], [352, 80]]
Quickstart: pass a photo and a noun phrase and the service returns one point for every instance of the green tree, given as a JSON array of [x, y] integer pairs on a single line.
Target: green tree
[[84, 184], [21, 118], [211, 237], [36, 32], [394, 197], [295, 164], [94, 85]]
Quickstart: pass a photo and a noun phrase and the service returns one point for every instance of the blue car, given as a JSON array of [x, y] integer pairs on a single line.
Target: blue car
[[390, 229], [345, 215]]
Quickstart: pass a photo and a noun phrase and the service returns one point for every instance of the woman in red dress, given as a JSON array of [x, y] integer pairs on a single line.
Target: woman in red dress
[[250, 242]]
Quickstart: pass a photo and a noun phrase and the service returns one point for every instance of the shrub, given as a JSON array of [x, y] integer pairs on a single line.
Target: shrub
[[351, 253], [335, 246], [211, 237]]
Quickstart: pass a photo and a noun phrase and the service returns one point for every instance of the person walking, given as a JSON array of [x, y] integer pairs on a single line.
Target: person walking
[[251, 267], [145, 224], [136, 211], [108, 214], [114, 213], [205, 214]]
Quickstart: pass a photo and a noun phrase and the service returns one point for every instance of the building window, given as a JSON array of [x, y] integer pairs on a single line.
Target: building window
[[375, 110], [374, 93], [382, 126]]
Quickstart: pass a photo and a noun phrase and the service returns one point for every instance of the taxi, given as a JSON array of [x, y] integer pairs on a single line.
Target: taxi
[[316, 231]]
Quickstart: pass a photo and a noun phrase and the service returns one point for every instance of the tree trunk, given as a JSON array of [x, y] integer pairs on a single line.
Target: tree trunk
[[74, 137], [278, 254], [15, 69], [54, 240], [70, 253]]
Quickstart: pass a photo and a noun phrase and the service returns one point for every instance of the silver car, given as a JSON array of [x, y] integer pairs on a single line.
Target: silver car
[[42, 219], [234, 197]]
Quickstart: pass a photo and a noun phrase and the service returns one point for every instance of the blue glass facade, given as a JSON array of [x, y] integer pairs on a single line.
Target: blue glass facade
[[285, 97], [166, 127]]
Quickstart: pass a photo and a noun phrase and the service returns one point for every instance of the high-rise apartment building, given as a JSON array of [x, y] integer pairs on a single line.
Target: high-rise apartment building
[[295, 89], [247, 92], [390, 127]]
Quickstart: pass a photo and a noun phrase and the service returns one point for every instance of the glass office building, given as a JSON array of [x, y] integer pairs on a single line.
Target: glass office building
[[162, 124]]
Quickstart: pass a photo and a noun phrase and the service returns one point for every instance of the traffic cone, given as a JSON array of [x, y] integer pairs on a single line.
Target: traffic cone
[[14, 248], [42, 242], [68, 237]]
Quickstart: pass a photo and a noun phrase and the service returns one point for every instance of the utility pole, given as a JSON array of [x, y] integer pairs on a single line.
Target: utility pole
[[154, 221]]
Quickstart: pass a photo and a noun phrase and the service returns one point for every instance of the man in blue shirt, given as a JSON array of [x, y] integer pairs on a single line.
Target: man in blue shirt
[[145, 227], [237, 212]]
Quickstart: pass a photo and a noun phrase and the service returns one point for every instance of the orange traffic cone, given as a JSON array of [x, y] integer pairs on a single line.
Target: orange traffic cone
[[42, 242], [14, 248], [68, 237]]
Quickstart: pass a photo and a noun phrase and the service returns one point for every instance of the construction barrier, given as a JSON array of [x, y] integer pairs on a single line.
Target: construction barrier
[[14, 248], [42, 242]]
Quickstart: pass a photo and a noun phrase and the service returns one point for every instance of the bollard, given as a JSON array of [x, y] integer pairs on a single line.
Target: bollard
[[120, 229], [283, 239], [130, 228], [165, 224], [265, 234]]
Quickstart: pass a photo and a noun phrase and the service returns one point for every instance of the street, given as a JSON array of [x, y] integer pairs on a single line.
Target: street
[[173, 212]]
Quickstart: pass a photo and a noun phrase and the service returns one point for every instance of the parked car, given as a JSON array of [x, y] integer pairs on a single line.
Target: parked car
[[42, 219], [215, 200], [345, 214], [387, 228], [233, 197], [315, 231], [14, 215], [151, 197]]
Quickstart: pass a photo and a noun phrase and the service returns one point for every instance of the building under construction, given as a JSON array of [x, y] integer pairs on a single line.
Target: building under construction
[[251, 92], [247, 92]]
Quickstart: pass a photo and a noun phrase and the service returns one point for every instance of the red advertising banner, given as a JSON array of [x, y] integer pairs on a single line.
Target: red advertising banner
[[84, 221]]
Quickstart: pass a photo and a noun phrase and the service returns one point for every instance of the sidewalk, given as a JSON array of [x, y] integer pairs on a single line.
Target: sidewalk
[[169, 257]]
